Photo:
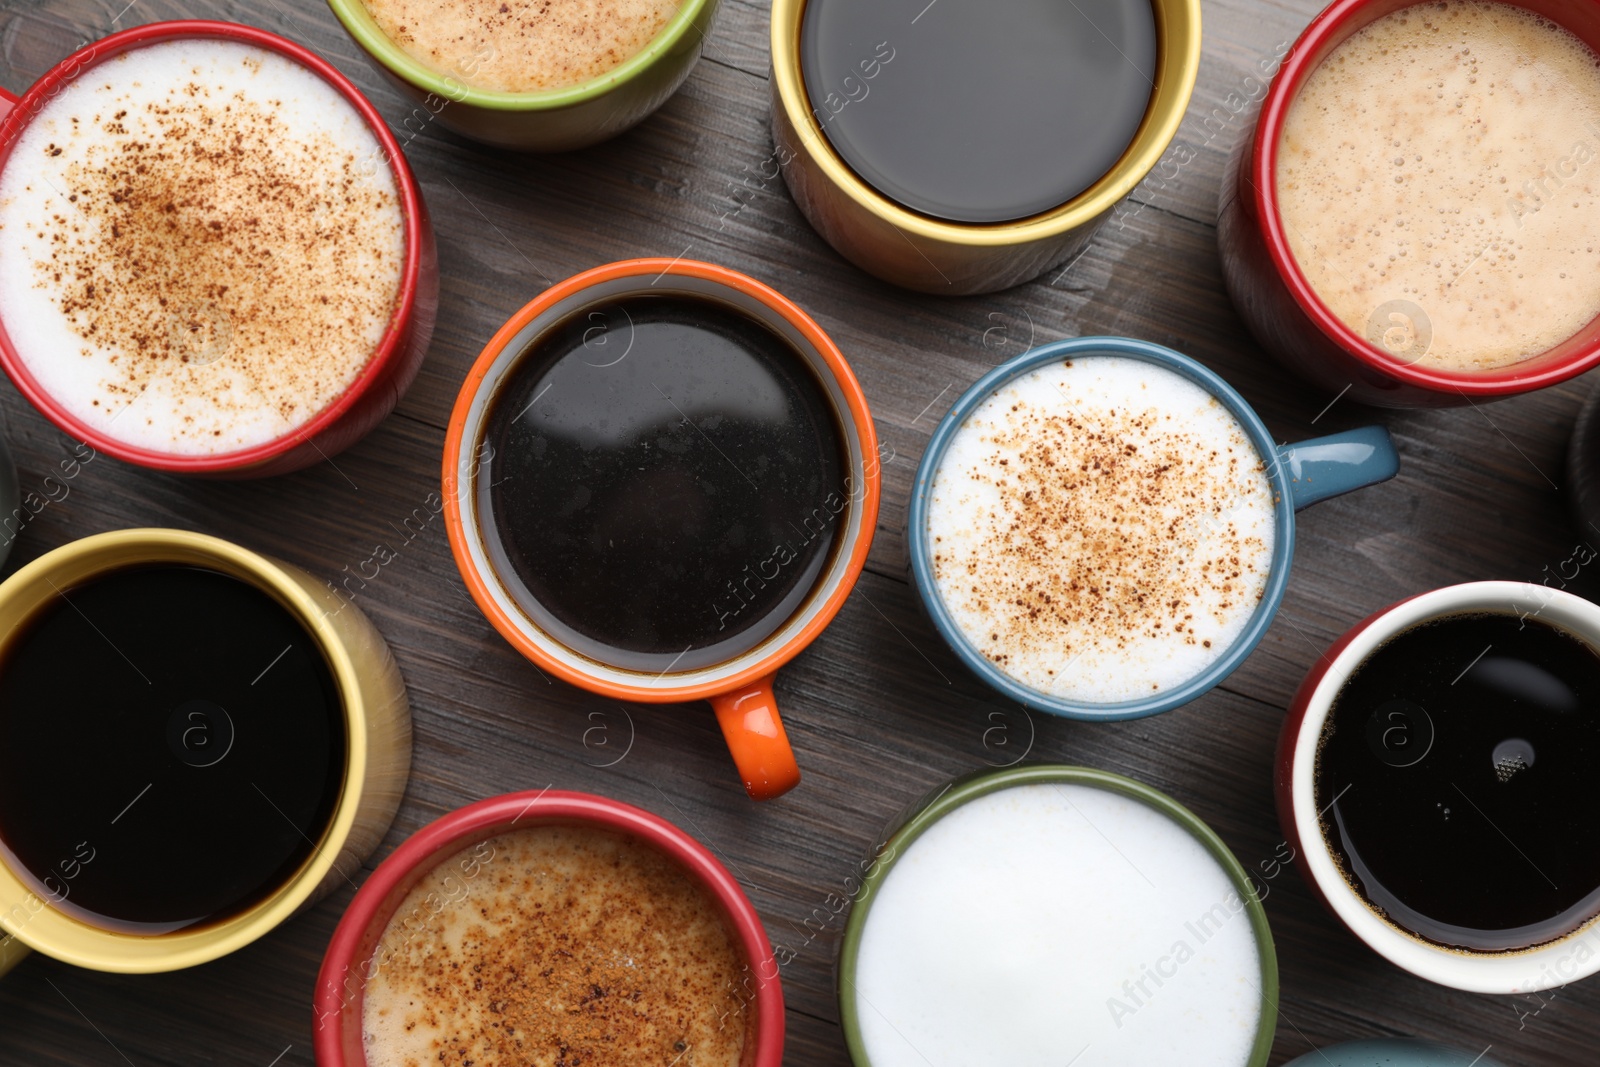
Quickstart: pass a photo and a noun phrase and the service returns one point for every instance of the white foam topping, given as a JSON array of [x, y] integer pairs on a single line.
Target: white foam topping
[[1041, 923], [1101, 529], [201, 246]]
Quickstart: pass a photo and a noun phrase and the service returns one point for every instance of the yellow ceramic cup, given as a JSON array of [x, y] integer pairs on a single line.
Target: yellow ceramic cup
[[953, 258], [377, 750]]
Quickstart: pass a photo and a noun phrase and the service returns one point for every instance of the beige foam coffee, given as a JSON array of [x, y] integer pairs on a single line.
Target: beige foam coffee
[[200, 246], [1102, 529], [1446, 158], [521, 47], [551, 946]]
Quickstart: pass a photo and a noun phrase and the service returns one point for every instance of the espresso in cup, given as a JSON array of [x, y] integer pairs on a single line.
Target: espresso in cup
[[176, 749], [1436, 178], [201, 246], [556, 944], [521, 47], [664, 482], [1055, 97], [1453, 778], [1101, 529], [1062, 914]]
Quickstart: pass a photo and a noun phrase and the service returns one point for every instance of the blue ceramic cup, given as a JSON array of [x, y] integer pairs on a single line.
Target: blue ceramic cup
[[1300, 475], [1391, 1052]]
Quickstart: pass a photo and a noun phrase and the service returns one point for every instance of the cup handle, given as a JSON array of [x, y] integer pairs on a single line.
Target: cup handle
[[1330, 466], [12, 952], [7, 102], [755, 735]]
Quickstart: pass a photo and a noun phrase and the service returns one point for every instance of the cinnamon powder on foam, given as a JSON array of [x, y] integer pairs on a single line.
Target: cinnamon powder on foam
[[557, 947], [201, 242], [1101, 529]]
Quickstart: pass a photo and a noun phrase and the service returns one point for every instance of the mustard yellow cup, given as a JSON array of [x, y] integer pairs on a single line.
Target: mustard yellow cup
[[933, 255], [377, 721]]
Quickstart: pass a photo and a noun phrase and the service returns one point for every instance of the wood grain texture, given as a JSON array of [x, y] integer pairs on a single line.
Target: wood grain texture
[[879, 711]]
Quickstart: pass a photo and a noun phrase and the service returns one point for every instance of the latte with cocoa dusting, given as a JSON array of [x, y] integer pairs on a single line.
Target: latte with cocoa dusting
[[1102, 529], [521, 47], [556, 946], [201, 246]]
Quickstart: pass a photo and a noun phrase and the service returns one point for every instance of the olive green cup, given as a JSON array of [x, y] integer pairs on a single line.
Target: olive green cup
[[911, 824], [553, 120]]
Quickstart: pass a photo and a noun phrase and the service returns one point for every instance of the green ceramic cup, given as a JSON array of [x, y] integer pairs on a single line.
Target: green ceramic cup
[[554, 120], [903, 832]]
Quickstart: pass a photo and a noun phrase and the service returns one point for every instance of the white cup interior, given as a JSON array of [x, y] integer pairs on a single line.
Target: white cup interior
[[1575, 956]]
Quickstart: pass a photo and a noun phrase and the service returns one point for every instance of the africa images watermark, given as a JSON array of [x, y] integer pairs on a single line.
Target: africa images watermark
[[54, 489], [855, 89], [813, 524]]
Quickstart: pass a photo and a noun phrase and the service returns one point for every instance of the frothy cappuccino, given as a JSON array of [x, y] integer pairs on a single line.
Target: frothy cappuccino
[[1436, 179], [556, 945], [1101, 529], [201, 246], [521, 47]]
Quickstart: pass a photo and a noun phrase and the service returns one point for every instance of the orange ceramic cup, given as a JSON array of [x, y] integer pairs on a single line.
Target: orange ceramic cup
[[739, 689]]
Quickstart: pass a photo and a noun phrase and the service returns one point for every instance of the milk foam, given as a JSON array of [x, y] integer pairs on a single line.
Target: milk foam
[[1446, 158], [521, 47], [1102, 529], [1043, 922], [201, 246]]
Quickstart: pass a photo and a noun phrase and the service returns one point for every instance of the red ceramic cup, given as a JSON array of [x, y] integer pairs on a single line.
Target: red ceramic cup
[[337, 1037], [1577, 955], [1272, 293], [389, 371]]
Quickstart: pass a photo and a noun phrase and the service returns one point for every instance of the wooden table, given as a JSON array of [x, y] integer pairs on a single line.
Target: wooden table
[[878, 709]]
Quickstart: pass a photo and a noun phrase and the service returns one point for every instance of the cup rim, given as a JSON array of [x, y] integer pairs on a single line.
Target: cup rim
[[73, 941], [361, 26], [854, 555], [389, 351], [1501, 973], [941, 802], [447, 835], [1178, 64], [1344, 17], [921, 552]]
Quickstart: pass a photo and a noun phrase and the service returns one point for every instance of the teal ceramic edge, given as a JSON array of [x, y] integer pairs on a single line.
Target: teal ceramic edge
[[921, 815], [1328, 459], [1391, 1052]]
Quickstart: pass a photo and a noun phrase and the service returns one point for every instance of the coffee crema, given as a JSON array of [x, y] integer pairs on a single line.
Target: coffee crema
[[556, 945], [1101, 529], [1437, 177], [1454, 777], [201, 246], [663, 482], [521, 47], [1047, 921], [175, 747]]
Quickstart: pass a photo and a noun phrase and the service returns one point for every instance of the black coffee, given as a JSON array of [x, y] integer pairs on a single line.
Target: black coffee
[[1456, 781], [979, 112], [665, 481], [173, 744]]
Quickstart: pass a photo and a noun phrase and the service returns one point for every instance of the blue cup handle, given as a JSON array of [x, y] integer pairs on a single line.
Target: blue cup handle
[[1330, 466]]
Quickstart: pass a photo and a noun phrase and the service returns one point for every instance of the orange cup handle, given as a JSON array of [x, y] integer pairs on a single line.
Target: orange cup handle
[[750, 722]]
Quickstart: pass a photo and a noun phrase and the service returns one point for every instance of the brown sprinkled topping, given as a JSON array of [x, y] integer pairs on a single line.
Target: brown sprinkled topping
[[566, 947], [1110, 528], [209, 244]]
